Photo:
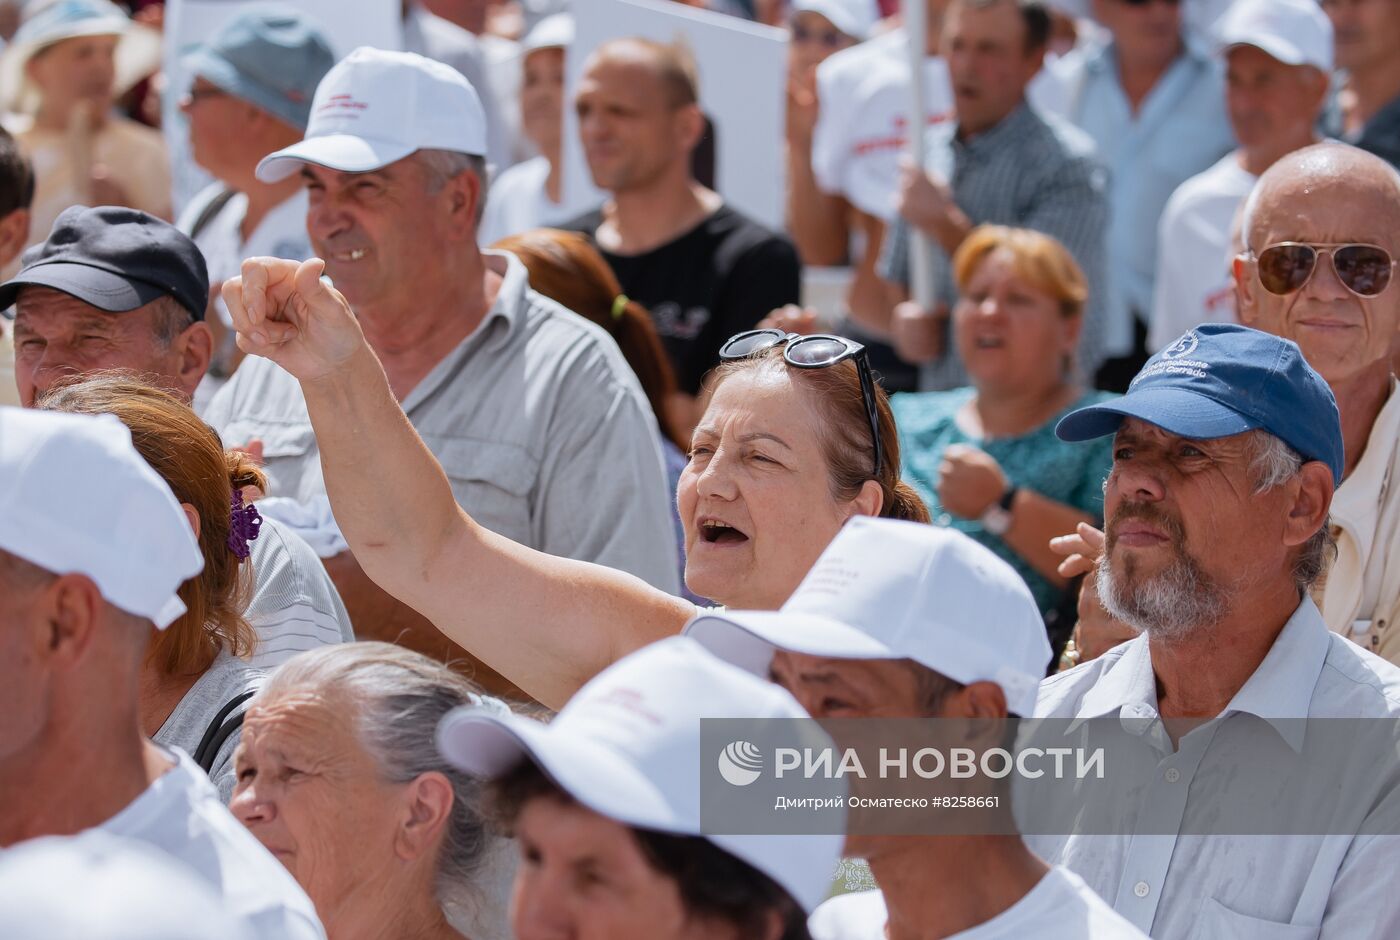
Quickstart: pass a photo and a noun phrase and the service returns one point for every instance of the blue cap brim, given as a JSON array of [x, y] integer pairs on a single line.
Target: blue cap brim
[[1175, 410], [100, 288]]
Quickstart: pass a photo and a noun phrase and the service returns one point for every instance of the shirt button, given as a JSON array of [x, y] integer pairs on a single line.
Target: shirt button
[[1173, 775], [1141, 889], [944, 519]]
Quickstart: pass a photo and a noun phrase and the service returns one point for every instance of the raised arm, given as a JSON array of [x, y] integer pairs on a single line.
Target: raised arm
[[547, 624]]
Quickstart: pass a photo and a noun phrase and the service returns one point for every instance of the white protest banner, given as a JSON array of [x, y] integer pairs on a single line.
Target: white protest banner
[[347, 24], [743, 91]]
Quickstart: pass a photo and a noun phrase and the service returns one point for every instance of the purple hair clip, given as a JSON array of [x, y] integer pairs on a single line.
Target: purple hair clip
[[244, 522]]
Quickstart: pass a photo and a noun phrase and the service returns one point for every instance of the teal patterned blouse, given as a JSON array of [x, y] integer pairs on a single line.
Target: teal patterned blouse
[[1072, 474]]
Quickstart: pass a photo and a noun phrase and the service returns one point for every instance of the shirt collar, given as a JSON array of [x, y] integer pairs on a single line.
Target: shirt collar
[[1100, 56], [510, 299], [1354, 504], [1279, 691], [1007, 131]]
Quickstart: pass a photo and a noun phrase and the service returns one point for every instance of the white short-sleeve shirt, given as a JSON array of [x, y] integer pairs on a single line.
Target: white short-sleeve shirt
[[181, 814], [1194, 281], [1060, 907]]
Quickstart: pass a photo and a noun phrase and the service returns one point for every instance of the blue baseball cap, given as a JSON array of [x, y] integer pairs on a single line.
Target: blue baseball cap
[[1221, 379], [271, 56]]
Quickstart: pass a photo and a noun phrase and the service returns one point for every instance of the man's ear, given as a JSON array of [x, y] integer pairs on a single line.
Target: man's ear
[[690, 124], [1311, 501], [71, 606], [466, 192], [1244, 289], [195, 348], [426, 808]]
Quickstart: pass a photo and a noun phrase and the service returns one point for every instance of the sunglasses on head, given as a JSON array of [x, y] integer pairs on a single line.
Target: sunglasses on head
[[816, 351], [1286, 267]]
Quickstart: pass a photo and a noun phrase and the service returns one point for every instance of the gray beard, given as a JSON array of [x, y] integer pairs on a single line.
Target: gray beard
[[1170, 605]]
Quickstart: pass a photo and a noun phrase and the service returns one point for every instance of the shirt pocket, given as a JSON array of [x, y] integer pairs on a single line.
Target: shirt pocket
[[494, 482], [1218, 922], [289, 452]]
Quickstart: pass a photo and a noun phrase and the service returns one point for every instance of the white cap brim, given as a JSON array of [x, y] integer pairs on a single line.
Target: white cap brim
[[1286, 52], [344, 152], [749, 638], [487, 745]]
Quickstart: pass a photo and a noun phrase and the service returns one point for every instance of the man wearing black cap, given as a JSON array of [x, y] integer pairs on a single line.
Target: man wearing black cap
[[117, 288], [104, 261]]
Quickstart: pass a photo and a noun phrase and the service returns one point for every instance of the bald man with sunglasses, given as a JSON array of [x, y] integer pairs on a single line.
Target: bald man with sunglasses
[[1322, 234]]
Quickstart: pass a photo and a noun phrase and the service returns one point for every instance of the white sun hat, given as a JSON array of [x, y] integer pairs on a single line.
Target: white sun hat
[[46, 23]]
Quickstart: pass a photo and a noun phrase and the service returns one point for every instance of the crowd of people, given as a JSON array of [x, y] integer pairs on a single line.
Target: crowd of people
[[384, 520]]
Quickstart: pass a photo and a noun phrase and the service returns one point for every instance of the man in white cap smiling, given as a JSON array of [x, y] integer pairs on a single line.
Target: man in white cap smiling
[[606, 800], [1278, 56], [68, 57], [538, 420], [93, 547], [900, 620]]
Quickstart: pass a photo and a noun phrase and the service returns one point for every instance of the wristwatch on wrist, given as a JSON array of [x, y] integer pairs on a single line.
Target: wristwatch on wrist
[[997, 518]]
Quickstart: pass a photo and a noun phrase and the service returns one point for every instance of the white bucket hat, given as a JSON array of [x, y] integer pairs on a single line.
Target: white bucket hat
[[44, 24]]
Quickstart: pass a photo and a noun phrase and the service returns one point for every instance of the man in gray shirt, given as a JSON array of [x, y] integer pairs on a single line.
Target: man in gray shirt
[[533, 413]]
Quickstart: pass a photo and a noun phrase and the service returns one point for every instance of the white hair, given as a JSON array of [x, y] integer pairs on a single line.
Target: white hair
[[400, 696], [442, 166]]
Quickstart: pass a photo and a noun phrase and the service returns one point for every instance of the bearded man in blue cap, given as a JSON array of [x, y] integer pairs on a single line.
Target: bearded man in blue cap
[[1227, 450]]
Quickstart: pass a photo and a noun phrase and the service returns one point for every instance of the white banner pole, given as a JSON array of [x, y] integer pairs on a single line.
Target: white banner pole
[[915, 15]]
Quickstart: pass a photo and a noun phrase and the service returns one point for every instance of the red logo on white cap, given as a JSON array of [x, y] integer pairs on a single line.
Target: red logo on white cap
[[343, 104]]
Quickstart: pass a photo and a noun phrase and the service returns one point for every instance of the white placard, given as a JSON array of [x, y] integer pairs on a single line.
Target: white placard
[[347, 24], [743, 91]]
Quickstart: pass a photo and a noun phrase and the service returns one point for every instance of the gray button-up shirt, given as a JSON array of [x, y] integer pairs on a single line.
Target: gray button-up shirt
[[1168, 868], [537, 419], [1029, 171]]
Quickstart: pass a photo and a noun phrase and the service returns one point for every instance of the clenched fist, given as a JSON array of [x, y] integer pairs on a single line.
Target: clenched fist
[[284, 311]]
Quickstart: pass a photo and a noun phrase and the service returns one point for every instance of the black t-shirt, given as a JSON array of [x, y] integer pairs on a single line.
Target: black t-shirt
[[718, 279]]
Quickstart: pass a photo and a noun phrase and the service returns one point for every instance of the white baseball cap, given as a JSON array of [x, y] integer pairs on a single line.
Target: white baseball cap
[[97, 886], [1296, 32], [886, 589], [376, 107], [552, 32], [627, 746], [76, 497], [855, 18]]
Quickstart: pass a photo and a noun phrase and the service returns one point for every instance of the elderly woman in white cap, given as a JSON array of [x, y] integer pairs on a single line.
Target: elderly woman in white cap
[[339, 777], [605, 804], [531, 194], [67, 63]]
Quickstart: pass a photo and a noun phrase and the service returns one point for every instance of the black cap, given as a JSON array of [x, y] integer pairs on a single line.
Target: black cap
[[116, 259]]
